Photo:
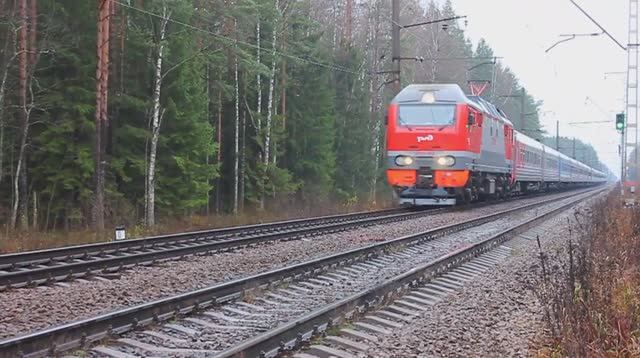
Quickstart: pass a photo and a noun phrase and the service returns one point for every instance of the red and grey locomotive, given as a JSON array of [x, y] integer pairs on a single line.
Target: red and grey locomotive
[[445, 147]]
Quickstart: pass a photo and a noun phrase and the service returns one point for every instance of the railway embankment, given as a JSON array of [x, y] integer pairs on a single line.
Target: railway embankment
[[500, 312], [589, 288]]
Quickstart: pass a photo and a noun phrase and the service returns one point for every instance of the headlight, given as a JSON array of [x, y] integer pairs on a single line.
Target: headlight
[[446, 161], [404, 161]]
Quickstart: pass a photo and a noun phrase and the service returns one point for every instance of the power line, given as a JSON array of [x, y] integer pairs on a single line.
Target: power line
[[434, 21], [569, 37], [597, 24], [232, 41]]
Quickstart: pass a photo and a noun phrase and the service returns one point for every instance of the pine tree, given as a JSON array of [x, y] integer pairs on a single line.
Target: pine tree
[[310, 153], [352, 147]]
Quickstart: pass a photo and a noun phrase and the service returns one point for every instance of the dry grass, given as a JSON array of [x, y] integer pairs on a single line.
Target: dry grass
[[17, 241], [592, 299]]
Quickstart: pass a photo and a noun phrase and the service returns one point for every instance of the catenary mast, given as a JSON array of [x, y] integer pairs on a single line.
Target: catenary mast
[[630, 136]]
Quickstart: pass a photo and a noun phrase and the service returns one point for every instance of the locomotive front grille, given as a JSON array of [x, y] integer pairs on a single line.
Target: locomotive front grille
[[425, 178]]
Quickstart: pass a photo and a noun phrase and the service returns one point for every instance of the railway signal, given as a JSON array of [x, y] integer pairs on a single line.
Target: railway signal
[[620, 122]]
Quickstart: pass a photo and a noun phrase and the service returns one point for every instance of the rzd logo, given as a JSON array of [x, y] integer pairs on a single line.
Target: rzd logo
[[428, 138]]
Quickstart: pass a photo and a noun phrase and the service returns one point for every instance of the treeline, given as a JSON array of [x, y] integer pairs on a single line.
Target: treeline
[[121, 111]]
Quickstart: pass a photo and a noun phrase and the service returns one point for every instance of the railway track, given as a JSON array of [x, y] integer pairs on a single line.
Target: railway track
[[49, 266], [61, 264], [245, 316]]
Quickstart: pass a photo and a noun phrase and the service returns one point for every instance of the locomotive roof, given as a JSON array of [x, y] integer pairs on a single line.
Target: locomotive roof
[[451, 93], [490, 108], [448, 93]]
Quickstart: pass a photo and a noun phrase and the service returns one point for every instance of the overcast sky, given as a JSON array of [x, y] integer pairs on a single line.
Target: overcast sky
[[521, 31]]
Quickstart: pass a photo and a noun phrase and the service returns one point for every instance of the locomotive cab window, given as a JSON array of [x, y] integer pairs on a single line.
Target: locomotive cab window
[[427, 115]]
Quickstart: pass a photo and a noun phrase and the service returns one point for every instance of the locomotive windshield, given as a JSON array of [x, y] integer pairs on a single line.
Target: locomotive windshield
[[427, 115]]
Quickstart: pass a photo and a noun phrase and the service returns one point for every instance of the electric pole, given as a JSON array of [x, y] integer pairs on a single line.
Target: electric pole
[[558, 136], [395, 47], [522, 109], [522, 115], [630, 142], [396, 50]]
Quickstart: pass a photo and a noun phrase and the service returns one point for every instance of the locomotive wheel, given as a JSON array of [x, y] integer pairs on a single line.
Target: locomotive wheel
[[464, 196], [468, 197]]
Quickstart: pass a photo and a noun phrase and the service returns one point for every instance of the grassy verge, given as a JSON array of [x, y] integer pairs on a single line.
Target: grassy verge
[[591, 291], [16, 241]]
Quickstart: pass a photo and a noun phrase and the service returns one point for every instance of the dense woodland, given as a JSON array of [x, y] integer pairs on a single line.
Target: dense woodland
[[137, 111]]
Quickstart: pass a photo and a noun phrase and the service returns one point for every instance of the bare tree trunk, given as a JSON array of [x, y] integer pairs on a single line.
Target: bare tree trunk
[[16, 179], [335, 35], [243, 158], [3, 87], [348, 32], [48, 213], [1, 144], [102, 90], [219, 157], [375, 104], [208, 91], [236, 133], [259, 107], [272, 80], [33, 28], [10, 41], [155, 123], [20, 178], [283, 86], [34, 220], [259, 77]]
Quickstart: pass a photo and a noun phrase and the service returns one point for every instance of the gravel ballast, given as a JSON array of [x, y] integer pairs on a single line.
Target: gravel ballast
[[283, 307], [37, 308], [494, 315]]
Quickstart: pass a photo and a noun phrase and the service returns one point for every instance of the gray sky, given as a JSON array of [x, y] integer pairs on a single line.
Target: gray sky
[[521, 30]]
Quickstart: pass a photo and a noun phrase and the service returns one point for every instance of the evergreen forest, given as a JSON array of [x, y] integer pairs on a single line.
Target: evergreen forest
[[135, 112]]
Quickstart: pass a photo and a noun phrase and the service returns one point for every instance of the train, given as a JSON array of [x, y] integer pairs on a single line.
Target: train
[[445, 148]]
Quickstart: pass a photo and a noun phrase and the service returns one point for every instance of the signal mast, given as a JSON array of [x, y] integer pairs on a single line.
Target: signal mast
[[630, 166]]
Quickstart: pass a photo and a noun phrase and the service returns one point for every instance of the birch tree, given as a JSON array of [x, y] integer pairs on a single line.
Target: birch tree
[[7, 60], [272, 82], [26, 63], [156, 118], [259, 76]]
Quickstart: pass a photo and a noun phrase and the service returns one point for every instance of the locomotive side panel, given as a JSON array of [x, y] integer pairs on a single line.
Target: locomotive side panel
[[492, 156]]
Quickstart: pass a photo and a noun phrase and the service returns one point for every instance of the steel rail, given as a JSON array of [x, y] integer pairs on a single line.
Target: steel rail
[[144, 253], [294, 334], [57, 339], [102, 248]]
